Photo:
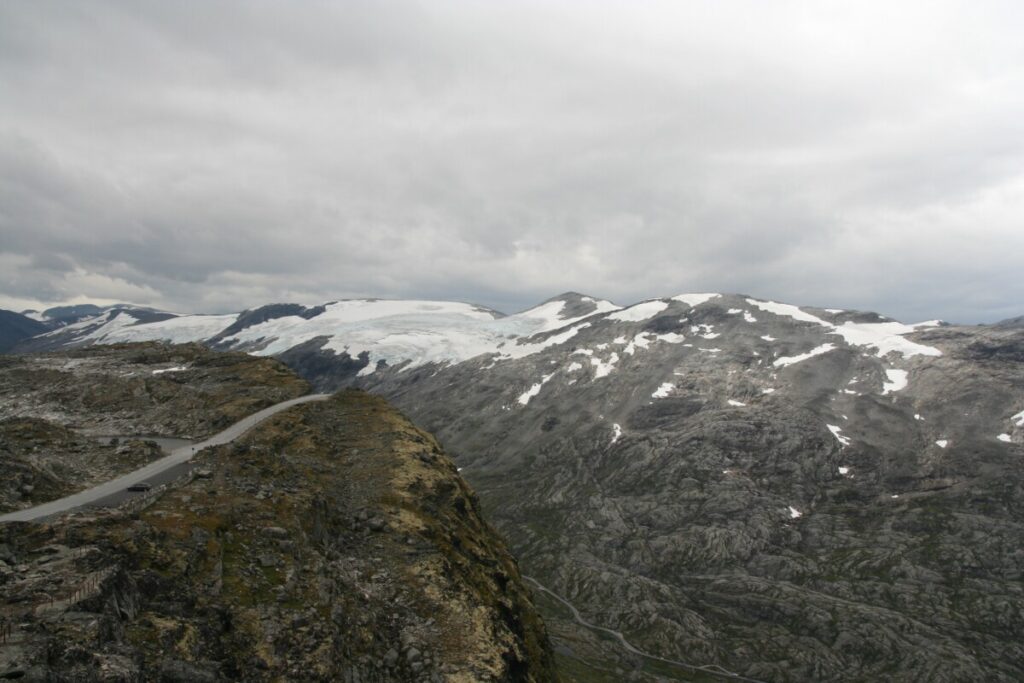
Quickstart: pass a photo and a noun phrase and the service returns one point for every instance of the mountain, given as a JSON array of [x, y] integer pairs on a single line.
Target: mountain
[[335, 541], [788, 493], [15, 327]]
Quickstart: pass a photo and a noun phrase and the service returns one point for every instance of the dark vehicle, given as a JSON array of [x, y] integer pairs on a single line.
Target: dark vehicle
[[140, 486]]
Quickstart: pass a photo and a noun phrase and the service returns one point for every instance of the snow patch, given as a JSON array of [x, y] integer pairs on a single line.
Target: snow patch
[[1018, 419], [748, 317], [694, 300], [738, 404], [942, 443], [769, 390], [664, 390], [639, 312], [897, 380], [1005, 438], [794, 513], [844, 470], [574, 366], [885, 338], [768, 338], [603, 369], [176, 368], [534, 390], [836, 432], [790, 360], [616, 433]]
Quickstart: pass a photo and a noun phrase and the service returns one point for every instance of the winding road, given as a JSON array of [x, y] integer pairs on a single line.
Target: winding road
[[710, 669], [111, 491]]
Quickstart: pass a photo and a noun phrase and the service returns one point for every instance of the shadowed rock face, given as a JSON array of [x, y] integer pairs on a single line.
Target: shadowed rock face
[[335, 543], [751, 498]]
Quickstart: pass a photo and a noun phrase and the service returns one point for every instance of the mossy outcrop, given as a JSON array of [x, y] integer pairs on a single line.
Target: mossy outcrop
[[335, 541]]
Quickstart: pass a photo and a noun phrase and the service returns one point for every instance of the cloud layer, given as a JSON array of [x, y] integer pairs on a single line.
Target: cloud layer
[[200, 157]]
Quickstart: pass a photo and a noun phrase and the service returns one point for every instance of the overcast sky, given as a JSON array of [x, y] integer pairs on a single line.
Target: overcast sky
[[209, 157]]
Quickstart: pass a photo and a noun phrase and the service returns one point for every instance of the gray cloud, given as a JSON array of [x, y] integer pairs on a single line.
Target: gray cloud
[[201, 157]]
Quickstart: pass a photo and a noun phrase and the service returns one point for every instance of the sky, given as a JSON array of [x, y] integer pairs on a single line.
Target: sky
[[210, 157]]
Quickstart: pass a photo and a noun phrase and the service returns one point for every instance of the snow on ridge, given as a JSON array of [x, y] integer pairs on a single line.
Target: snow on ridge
[[694, 300], [884, 337], [1019, 418], [549, 315], [897, 380], [639, 312], [790, 360], [123, 327]]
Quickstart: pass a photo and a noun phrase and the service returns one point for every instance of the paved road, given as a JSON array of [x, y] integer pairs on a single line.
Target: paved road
[[156, 472]]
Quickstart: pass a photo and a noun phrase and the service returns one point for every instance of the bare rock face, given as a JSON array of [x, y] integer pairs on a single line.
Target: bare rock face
[[335, 542], [787, 494]]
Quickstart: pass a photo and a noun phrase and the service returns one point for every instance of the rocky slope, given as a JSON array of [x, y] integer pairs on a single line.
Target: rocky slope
[[719, 482], [336, 542], [52, 405], [790, 494]]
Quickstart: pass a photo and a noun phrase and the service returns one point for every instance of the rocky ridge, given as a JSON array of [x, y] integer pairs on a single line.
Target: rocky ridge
[[52, 406], [335, 542]]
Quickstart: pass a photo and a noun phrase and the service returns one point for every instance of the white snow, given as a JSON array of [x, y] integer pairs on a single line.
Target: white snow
[[769, 390], [794, 513], [670, 338], [748, 317], [604, 368], [123, 327], [835, 429], [738, 404], [834, 310], [664, 390], [534, 390], [734, 311], [768, 338], [897, 381], [35, 315], [917, 416], [885, 338], [639, 341], [1019, 419], [790, 360], [176, 368], [548, 316], [616, 432], [574, 366], [942, 443], [639, 312], [1006, 438], [705, 331], [844, 470], [694, 300]]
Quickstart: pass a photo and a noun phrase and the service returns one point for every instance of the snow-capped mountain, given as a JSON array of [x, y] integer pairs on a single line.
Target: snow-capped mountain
[[725, 480]]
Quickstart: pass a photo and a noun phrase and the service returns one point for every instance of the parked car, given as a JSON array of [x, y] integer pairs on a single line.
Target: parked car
[[140, 486]]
